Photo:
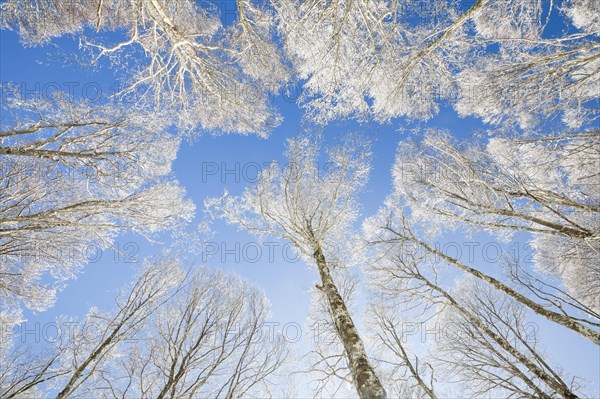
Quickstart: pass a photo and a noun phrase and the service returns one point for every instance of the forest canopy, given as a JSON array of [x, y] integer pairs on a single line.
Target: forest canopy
[[397, 134]]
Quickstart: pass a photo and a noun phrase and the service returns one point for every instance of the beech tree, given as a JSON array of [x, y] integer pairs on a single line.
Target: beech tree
[[210, 341], [387, 230], [176, 333], [184, 58], [353, 52], [84, 349], [503, 187], [73, 176], [313, 208], [500, 61], [535, 76], [386, 59], [483, 339], [326, 365], [481, 365]]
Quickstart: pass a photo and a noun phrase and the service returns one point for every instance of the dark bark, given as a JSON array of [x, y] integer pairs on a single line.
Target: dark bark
[[365, 379]]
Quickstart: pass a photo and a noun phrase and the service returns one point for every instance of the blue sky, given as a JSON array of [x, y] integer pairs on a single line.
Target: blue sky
[[209, 165]]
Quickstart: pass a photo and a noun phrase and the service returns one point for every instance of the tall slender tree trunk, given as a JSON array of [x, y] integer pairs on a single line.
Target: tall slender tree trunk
[[100, 351], [365, 379], [553, 381], [558, 318]]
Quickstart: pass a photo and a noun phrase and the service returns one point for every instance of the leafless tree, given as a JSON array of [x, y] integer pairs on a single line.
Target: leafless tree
[[480, 365], [396, 231], [215, 76], [313, 208], [370, 58], [481, 328], [210, 341], [83, 349], [327, 364], [73, 176], [407, 373], [534, 76], [386, 59], [176, 333], [546, 186]]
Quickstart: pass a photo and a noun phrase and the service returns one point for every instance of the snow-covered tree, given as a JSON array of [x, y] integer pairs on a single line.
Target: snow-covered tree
[[74, 176], [370, 58], [405, 373], [497, 60], [210, 342], [546, 186], [392, 231], [479, 329], [183, 57], [83, 349], [313, 207], [175, 333], [466, 354], [534, 76], [326, 365]]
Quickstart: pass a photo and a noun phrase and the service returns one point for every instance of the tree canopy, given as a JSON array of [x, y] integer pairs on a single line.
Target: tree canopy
[[516, 164]]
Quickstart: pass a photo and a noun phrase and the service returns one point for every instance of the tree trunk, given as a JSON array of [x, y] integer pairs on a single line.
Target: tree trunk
[[365, 379], [554, 383], [79, 371], [558, 318]]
